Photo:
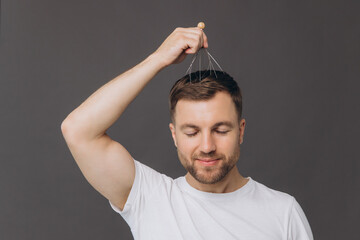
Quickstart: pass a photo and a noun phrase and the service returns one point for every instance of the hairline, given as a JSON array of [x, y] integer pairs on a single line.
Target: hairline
[[172, 118]]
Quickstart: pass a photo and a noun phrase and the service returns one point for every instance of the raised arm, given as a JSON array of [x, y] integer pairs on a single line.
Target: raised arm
[[105, 163]]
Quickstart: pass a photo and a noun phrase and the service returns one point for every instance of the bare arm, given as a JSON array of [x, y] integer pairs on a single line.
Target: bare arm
[[105, 163]]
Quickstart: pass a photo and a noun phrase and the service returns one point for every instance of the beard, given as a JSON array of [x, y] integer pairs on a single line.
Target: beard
[[210, 174]]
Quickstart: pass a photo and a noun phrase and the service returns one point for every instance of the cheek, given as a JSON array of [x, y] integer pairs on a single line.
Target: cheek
[[186, 145], [228, 144]]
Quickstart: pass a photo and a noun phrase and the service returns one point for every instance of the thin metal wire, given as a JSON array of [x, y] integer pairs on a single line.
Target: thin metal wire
[[199, 66], [213, 59], [210, 67], [190, 67]]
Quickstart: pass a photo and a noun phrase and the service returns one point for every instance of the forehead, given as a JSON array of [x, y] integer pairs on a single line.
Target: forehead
[[220, 108]]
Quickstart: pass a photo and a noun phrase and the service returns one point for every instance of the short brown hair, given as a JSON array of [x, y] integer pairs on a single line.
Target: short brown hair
[[203, 85]]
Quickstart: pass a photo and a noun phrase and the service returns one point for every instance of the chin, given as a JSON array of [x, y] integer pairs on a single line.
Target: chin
[[210, 175]]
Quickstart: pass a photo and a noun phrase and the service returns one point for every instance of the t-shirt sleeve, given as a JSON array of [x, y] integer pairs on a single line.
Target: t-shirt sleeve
[[299, 227], [146, 180]]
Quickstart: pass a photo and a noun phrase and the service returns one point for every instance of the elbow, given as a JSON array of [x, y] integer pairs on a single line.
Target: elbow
[[68, 131], [74, 130], [65, 129]]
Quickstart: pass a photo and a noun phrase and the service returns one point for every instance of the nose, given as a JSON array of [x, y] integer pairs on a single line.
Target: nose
[[207, 144]]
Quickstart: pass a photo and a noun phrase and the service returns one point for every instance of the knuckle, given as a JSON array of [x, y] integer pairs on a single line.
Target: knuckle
[[199, 31], [175, 31]]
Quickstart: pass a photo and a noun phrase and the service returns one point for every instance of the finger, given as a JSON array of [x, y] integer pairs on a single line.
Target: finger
[[190, 51], [193, 45], [196, 32], [189, 40], [205, 41], [191, 29], [200, 40], [194, 37]]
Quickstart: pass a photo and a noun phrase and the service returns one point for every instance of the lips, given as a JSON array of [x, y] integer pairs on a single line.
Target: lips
[[208, 161]]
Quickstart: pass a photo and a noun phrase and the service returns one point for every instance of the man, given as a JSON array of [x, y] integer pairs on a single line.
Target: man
[[213, 200]]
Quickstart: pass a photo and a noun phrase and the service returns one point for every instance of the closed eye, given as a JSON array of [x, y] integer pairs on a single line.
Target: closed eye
[[191, 134], [221, 132]]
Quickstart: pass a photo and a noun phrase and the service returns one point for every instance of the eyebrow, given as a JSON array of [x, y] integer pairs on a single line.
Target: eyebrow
[[224, 123]]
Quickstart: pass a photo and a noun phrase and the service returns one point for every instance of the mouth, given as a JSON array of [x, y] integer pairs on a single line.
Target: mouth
[[208, 161]]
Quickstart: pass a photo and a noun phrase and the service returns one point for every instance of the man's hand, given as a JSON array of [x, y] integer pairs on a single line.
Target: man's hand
[[179, 43]]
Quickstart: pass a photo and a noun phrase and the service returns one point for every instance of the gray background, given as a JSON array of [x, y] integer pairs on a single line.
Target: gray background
[[297, 63]]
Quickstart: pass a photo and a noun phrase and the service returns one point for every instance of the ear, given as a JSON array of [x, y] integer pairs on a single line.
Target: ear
[[242, 129], [173, 133]]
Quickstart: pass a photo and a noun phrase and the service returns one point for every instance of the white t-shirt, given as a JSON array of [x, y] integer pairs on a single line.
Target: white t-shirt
[[161, 208]]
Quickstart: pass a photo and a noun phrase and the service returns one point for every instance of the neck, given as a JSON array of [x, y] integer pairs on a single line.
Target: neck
[[230, 183]]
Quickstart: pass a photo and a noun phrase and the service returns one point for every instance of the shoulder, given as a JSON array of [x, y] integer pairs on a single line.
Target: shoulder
[[273, 198], [150, 178], [283, 207], [271, 193]]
